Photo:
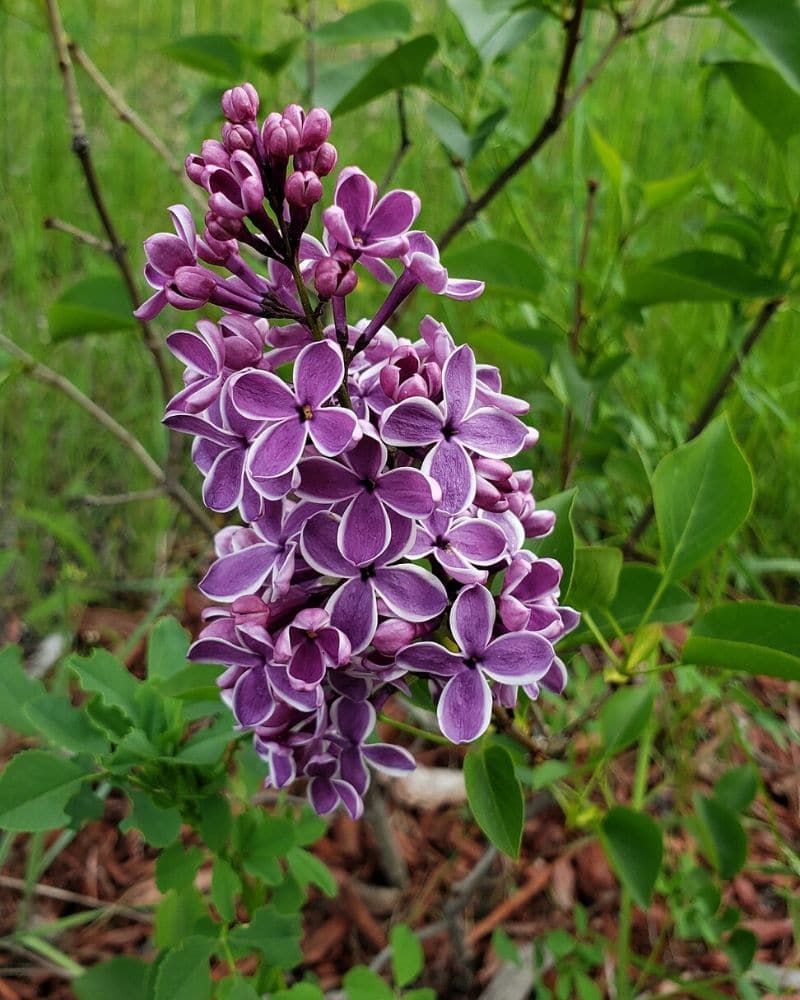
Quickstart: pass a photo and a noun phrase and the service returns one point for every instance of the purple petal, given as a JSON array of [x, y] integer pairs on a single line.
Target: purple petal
[[335, 222], [239, 573], [222, 489], [458, 383], [215, 650], [394, 214], [472, 619], [402, 538], [411, 592], [408, 491], [183, 222], [517, 658], [364, 530], [277, 487], [480, 541], [412, 422], [459, 568], [167, 253], [392, 760], [151, 307], [188, 423], [430, 658], [451, 467], [262, 395], [493, 433], [555, 679], [194, 352], [355, 194], [463, 288], [350, 799], [332, 429], [322, 796], [307, 667], [320, 546], [326, 480], [318, 373], [367, 458], [276, 449], [465, 707], [378, 269], [354, 720], [353, 769], [354, 610], [252, 700]]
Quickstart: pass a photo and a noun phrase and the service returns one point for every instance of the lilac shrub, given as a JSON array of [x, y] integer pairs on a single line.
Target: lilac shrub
[[384, 528]]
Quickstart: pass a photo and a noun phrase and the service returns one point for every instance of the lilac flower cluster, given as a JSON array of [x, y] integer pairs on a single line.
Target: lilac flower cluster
[[384, 529]]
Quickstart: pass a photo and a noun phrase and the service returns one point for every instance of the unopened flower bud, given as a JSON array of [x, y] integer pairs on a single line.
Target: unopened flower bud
[[405, 375], [321, 161], [240, 104], [316, 129], [303, 188], [194, 283], [333, 277], [393, 634], [237, 137], [221, 229]]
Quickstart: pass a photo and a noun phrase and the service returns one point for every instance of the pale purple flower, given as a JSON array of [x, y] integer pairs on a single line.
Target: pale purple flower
[[465, 704], [453, 428], [373, 491], [461, 545], [309, 647], [352, 723], [409, 591], [294, 416], [422, 260]]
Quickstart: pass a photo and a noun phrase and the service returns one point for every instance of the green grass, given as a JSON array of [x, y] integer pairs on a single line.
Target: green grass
[[651, 104]]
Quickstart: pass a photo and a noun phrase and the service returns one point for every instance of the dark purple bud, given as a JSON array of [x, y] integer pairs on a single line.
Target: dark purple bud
[[334, 277], [237, 137], [303, 189], [316, 129], [321, 161], [294, 115], [240, 104], [222, 229], [214, 154], [195, 168]]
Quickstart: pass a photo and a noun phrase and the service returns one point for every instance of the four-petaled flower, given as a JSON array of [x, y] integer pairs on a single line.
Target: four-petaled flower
[[465, 704]]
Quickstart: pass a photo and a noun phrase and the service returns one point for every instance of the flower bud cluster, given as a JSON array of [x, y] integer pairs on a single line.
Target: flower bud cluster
[[383, 529]]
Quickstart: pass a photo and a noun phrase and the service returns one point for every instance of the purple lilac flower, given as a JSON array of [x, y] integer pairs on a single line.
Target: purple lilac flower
[[465, 705], [379, 513]]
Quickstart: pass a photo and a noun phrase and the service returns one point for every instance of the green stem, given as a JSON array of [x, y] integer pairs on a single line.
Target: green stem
[[406, 727]]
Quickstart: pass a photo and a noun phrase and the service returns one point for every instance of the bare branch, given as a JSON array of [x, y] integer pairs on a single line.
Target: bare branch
[[80, 235]]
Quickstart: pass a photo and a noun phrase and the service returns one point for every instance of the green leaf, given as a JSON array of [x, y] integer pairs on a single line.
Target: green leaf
[[206, 746], [337, 79], [737, 788], [308, 827], [236, 988], [309, 870], [35, 786], [667, 190], [634, 845], [766, 97], [509, 270], [17, 689], [65, 726], [462, 145], [407, 956], [158, 826], [217, 55], [107, 676], [494, 34], [261, 839], [92, 305], [560, 543], [177, 866], [624, 716], [495, 796], [372, 23], [273, 61], [276, 935], [166, 649], [83, 806], [300, 991], [595, 578], [122, 977], [215, 821], [197, 682], [617, 170], [362, 983], [724, 839], [184, 973], [404, 67], [755, 636], [702, 493], [774, 25], [180, 914], [698, 276], [225, 887], [741, 949]]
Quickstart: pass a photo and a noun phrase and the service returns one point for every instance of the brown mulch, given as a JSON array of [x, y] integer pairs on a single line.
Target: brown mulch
[[558, 868]]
